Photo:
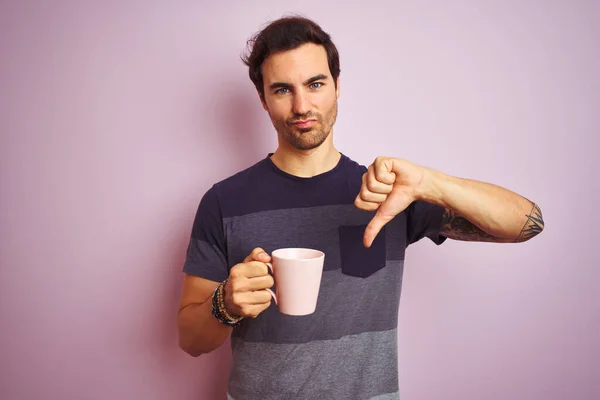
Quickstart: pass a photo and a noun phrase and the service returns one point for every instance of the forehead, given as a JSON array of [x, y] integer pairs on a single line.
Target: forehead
[[297, 65]]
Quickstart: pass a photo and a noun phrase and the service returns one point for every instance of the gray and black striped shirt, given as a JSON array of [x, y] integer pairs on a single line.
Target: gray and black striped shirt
[[347, 349]]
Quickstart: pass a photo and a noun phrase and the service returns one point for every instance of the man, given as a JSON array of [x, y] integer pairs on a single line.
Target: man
[[308, 194]]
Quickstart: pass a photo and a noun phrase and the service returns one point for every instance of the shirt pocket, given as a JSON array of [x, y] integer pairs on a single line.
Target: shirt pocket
[[356, 259]]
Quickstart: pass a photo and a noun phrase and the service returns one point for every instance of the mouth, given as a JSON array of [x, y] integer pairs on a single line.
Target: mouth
[[307, 123]]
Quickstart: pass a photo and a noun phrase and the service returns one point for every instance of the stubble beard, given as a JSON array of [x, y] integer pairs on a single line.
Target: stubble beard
[[307, 138]]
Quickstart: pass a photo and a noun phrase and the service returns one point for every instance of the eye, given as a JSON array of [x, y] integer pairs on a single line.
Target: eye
[[282, 91], [316, 85]]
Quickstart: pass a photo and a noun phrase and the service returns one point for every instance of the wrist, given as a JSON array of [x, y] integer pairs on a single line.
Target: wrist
[[431, 187], [219, 309], [227, 303]]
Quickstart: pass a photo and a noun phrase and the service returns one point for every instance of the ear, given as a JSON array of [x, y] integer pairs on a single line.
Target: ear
[[337, 88]]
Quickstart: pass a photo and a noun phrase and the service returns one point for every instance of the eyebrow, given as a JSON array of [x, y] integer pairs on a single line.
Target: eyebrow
[[278, 85]]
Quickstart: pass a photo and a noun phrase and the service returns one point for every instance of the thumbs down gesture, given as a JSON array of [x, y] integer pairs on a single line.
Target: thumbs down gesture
[[389, 186]]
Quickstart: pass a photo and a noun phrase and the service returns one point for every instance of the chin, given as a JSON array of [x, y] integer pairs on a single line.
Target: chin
[[300, 142], [306, 146]]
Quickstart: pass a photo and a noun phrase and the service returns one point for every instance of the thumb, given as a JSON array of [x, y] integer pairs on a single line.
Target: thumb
[[258, 254], [396, 202], [375, 226]]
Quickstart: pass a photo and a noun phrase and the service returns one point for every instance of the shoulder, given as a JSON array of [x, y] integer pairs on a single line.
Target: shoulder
[[242, 180], [353, 166], [238, 193]]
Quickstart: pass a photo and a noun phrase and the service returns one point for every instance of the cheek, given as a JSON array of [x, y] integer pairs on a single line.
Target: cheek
[[278, 109], [325, 100]]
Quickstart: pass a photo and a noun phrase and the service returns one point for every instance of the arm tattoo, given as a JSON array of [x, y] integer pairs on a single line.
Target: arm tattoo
[[455, 226], [534, 224]]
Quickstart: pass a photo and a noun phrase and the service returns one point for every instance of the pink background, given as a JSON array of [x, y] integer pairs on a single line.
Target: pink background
[[117, 116]]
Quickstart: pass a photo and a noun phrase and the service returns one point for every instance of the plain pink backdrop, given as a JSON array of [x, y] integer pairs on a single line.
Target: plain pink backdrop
[[116, 117]]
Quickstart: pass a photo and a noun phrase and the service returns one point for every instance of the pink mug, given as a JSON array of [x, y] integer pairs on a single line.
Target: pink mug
[[297, 274]]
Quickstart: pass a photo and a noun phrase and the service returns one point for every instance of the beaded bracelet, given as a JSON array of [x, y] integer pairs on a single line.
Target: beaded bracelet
[[221, 304], [218, 307]]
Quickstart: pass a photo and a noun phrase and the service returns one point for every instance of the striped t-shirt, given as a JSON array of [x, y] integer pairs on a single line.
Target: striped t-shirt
[[346, 349]]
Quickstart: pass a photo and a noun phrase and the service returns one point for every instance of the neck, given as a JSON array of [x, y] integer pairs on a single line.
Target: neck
[[306, 163]]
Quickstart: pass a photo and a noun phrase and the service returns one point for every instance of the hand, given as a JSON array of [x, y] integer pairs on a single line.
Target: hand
[[245, 293], [389, 186]]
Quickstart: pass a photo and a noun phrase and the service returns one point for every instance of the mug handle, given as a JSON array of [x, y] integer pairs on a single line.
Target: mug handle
[[273, 295]]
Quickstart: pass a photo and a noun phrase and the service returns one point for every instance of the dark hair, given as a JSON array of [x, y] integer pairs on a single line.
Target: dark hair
[[284, 34]]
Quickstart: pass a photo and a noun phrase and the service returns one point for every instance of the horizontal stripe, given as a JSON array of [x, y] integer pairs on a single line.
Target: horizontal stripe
[[346, 306], [353, 367], [263, 187], [313, 227]]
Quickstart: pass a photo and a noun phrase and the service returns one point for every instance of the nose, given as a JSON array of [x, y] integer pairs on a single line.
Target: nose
[[301, 103]]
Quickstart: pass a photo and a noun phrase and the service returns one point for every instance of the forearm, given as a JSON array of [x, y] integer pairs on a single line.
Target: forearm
[[199, 330], [499, 212]]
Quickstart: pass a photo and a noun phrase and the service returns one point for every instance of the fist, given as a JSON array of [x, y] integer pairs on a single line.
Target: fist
[[389, 186], [245, 293]]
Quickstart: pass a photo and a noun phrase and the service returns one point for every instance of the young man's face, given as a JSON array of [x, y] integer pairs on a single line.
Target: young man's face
[[300, 95]]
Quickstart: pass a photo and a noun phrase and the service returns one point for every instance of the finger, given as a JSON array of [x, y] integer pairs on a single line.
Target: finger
[[382, 169], [258, 254], [255, 269], [365, 205], [367, 196], [251, 284], [370, 197], [371, 183], [248, 270], [262, 257], [251, 310], [252, 298]]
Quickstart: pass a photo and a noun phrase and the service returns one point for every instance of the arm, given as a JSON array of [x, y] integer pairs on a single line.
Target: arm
[[199, 331], [475, 211], [245, 295], [478, 211]]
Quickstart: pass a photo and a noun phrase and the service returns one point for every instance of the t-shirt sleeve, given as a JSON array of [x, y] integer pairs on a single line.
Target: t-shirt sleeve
[[424, 220], [206, 252]]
